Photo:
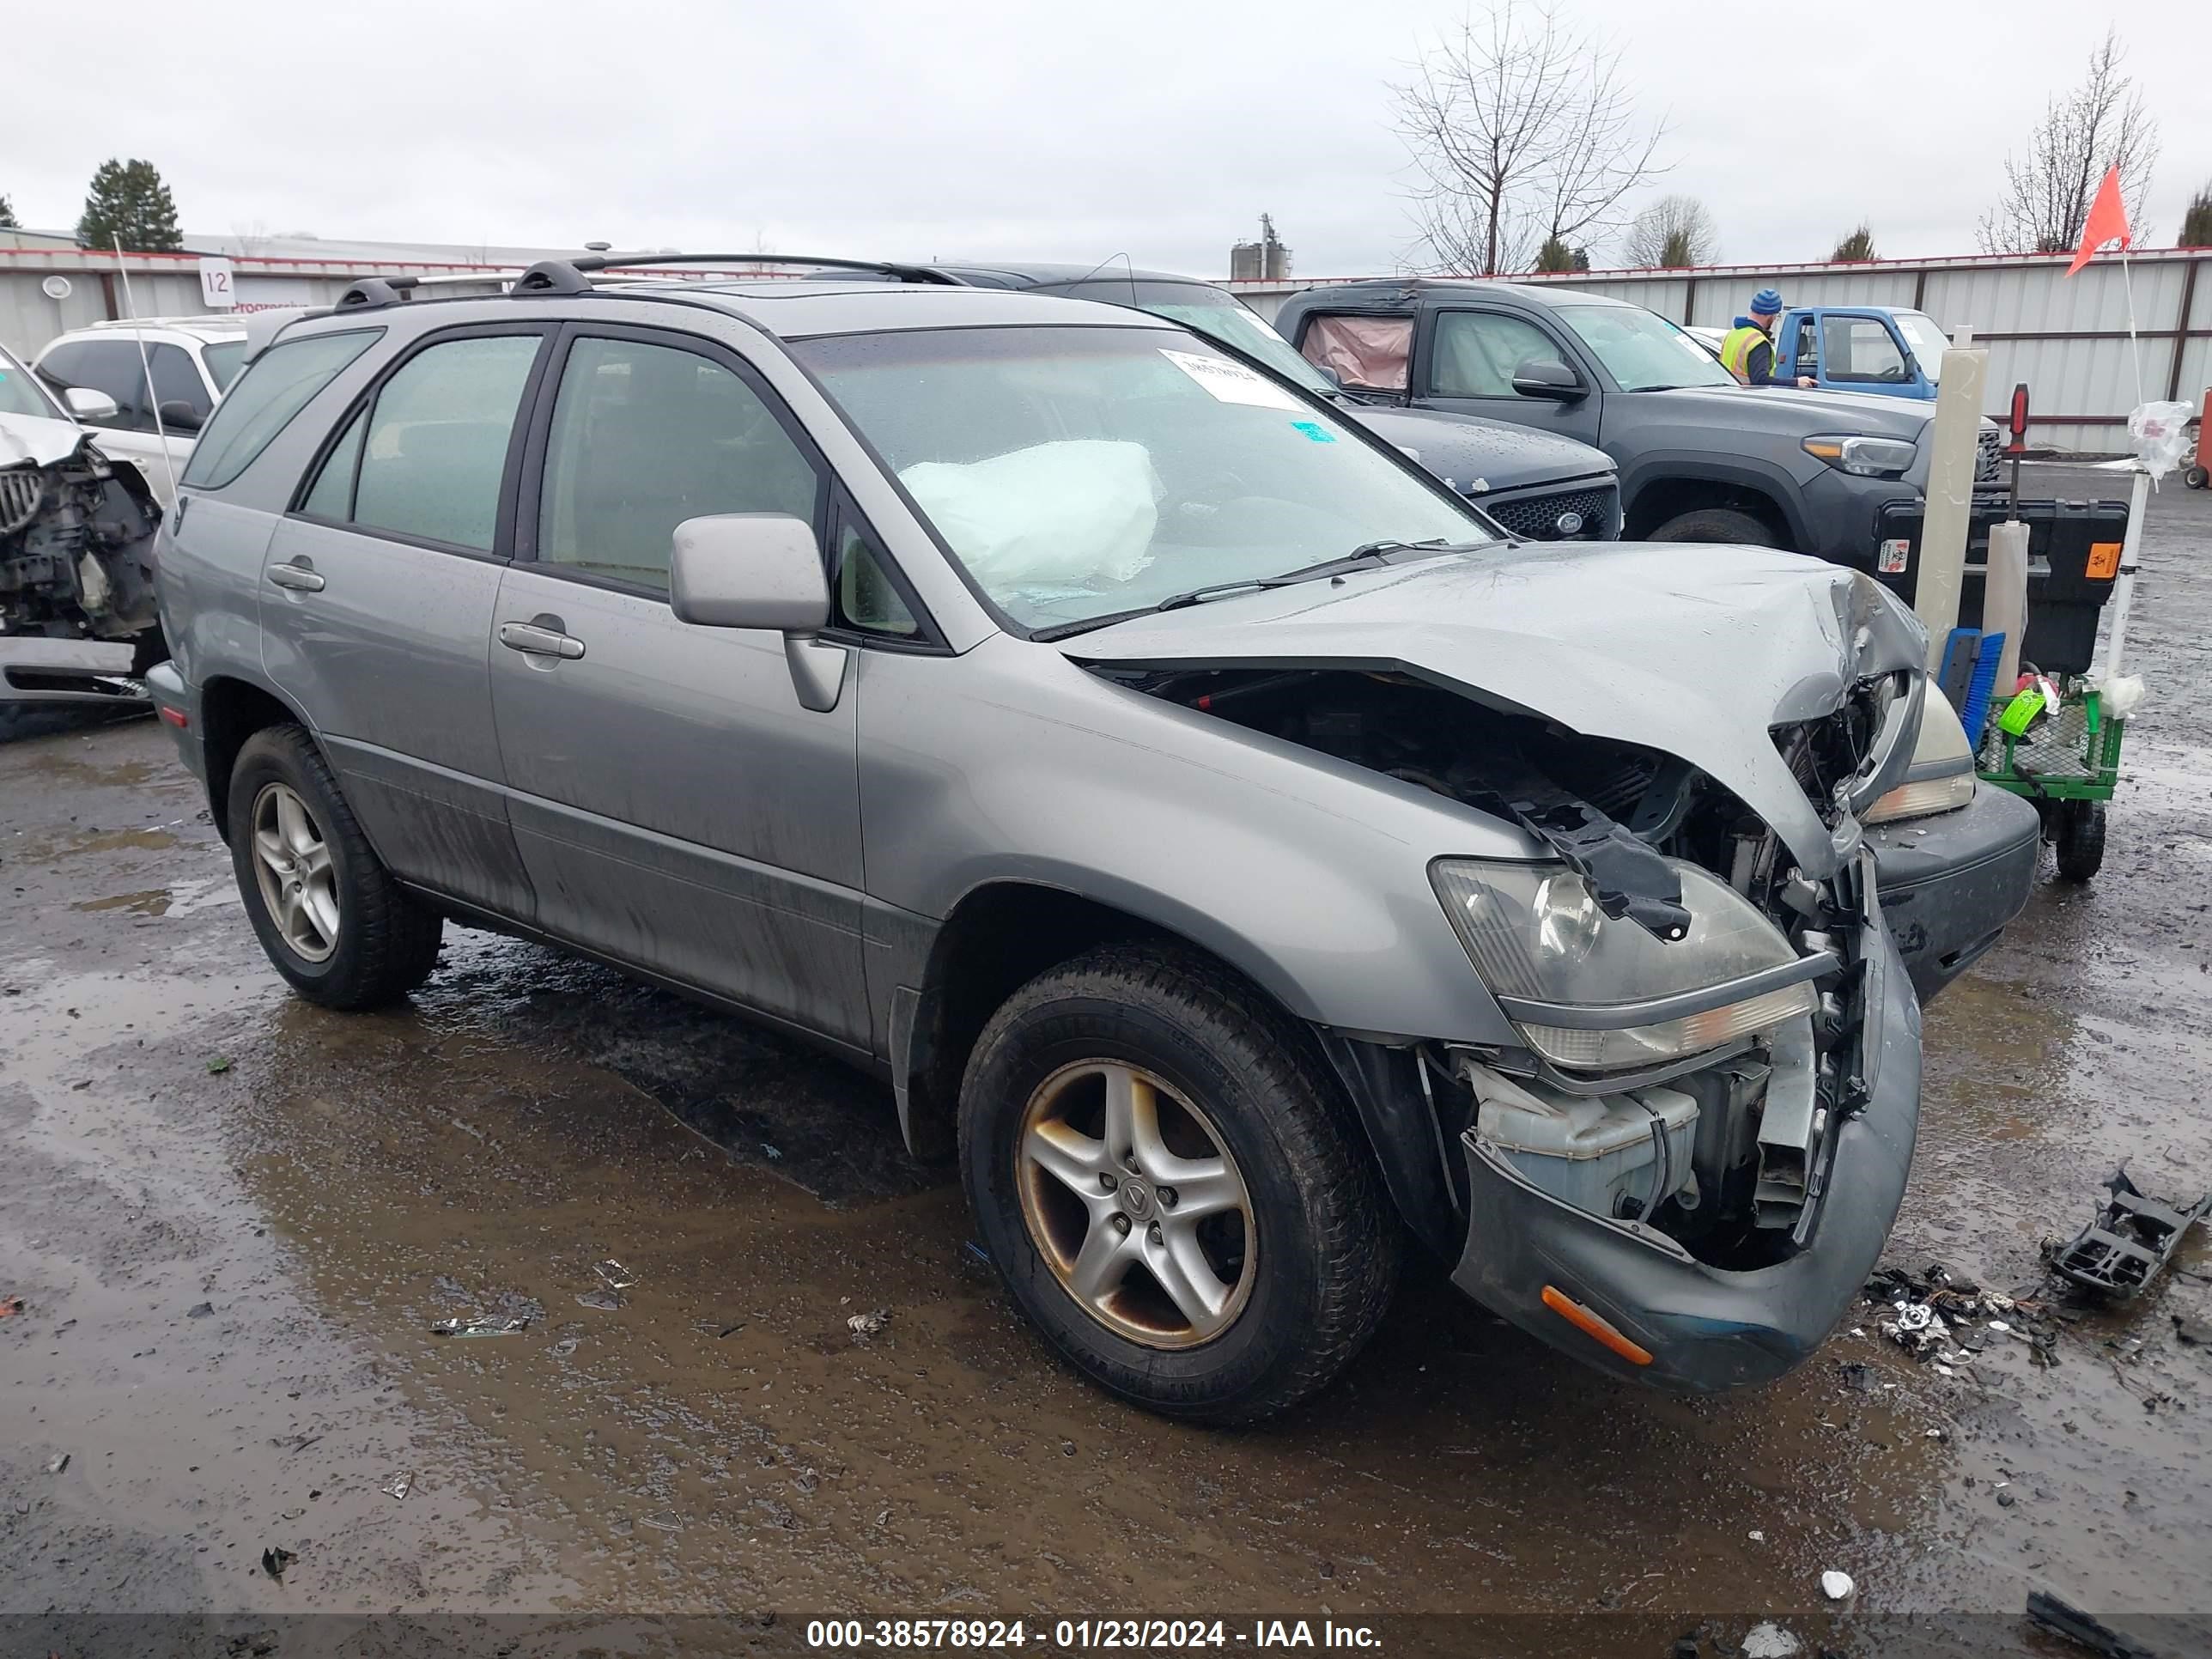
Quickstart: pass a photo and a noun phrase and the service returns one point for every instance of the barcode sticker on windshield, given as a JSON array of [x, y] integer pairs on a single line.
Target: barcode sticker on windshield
[[1231, 382]]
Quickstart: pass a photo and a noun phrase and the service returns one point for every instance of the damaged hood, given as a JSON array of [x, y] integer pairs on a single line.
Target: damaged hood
[[1697, 653], [38, 439]]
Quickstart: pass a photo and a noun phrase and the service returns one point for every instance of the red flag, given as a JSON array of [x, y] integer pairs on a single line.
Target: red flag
[[2107, 221]]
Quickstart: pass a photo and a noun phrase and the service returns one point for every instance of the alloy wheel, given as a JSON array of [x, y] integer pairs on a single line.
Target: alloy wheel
[[1132, 1198], [292, 865]]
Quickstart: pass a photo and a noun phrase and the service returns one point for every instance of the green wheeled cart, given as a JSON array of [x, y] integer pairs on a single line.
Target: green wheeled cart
[[2068, 764]]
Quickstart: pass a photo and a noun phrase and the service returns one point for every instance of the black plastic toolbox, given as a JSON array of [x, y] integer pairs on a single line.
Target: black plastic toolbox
[[2073, 556]]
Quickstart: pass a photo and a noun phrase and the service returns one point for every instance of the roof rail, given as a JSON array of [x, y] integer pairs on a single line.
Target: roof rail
[[905, 273]]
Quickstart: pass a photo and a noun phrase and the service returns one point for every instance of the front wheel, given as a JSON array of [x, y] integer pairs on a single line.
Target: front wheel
[[1171, 1188], [330, 915], [1715, 524]]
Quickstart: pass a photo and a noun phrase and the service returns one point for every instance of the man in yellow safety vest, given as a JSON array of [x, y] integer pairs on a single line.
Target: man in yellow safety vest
[[1749, 351]]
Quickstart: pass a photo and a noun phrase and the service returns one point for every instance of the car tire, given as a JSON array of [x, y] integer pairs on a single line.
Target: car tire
[[2195, 477], [2080, 841], [1715, 524], [1294, 1265], [334, 923]]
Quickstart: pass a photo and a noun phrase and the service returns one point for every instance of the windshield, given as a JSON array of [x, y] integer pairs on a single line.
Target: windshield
[[1641, 349], [223, 358], [1078, 473], [1218, 315], [1928, 341], [21, 395]]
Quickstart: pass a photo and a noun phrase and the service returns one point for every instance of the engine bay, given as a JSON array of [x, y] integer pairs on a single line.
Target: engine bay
[[1720, 1154]]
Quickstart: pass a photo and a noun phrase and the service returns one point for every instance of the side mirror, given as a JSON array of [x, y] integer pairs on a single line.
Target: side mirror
[[749, 570], [1547, 377], [89, 404], [178, 416]]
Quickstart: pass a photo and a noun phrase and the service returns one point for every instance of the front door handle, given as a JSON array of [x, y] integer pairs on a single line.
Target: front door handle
[[534, 640], [300, 576]]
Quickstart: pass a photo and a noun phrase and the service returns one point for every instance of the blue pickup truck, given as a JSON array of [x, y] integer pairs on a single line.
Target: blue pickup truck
[[1893, 350]]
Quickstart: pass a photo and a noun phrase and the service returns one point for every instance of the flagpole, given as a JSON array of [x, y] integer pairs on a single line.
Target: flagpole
[[2135, 346]]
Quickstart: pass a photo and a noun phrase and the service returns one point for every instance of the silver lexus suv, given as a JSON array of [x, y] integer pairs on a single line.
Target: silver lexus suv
[[1239, 856]]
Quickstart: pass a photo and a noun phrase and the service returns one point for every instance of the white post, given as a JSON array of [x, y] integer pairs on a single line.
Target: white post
[[1949, 509], [2124, 594]]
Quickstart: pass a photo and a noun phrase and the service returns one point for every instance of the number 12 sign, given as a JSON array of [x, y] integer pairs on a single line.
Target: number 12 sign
[[216, 289]]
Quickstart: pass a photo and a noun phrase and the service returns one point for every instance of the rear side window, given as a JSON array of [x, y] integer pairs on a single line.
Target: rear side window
[[276, 385], [1362, 351], [436, 445], [176, 382]]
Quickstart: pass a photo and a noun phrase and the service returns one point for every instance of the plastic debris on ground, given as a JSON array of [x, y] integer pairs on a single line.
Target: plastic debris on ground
[[58, 1464], [2131, 1237], [2076, 1626], [274, 1560], [1770, 1641], [565, 1346], [200, 1311], [1943, 1320], [10, 1306], [605, 1301], [869, 1324], [662, 1521], [488, 1325], [398, 1487], [1837, 1586], [613, 1274]]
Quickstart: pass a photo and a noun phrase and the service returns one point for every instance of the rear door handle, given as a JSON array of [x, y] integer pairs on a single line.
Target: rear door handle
[[299, 576], [534, 640]]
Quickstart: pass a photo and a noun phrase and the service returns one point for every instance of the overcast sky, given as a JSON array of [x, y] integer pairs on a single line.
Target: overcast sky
[[1047, 131]]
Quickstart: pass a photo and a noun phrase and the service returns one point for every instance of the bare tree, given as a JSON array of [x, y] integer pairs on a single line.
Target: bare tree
[[1673, 232], [1523, 129], [2099, 126]]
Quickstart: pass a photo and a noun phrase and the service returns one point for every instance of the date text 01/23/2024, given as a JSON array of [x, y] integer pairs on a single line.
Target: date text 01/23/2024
[[1085, 1634]]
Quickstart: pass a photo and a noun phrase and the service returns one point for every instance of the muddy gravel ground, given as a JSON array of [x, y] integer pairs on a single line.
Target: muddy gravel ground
[[232, 1219]]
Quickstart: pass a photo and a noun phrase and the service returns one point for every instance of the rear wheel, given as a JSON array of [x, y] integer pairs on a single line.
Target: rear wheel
[[1170, 1188], [2195, 477], [1715, 524], [2080, 839], [328, 913]]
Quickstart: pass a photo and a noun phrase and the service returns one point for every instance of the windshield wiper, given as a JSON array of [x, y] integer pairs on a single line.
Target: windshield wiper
[[1366, 553]]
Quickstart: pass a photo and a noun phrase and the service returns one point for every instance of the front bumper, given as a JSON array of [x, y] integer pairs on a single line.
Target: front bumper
[[1706, 1330], [35, 669], [1951, 884]]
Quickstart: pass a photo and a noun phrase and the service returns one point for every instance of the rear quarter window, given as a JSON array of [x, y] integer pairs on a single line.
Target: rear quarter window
[[276, 385]]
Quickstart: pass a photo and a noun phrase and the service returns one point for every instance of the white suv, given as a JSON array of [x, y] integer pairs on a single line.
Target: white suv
[[192, 361]]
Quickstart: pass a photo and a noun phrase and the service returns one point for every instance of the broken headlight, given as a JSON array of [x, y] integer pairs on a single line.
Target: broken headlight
[[1941, 775], [1598, 994]]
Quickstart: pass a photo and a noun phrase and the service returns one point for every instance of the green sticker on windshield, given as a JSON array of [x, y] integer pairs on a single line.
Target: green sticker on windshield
[[1315, 430]]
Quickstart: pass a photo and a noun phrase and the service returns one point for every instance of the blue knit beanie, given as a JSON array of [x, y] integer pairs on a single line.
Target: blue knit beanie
[[1767, 302]]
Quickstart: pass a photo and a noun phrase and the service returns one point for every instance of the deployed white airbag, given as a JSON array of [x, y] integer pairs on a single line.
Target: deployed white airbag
[[1080, 510]]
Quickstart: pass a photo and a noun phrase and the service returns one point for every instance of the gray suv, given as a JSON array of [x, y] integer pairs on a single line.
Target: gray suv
[[1215, 836]]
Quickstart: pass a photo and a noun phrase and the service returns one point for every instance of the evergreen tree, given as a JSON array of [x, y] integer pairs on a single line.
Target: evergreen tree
[[1859, 245], [8, 220], [129, 203], [2196, 223]]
